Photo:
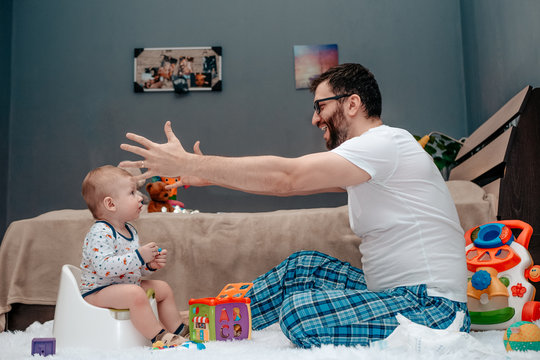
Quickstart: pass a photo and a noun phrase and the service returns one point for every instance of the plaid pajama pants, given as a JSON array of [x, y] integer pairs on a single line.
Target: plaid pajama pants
[[318, 299]]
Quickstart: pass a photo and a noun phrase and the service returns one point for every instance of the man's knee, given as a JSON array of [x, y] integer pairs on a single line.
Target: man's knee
[[305, 254], [307, 258], [293, 324]]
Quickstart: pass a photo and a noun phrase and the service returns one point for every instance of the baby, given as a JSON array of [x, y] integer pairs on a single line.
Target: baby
[[113, 262]]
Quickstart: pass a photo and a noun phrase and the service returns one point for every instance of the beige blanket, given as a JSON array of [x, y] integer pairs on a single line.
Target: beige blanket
[[206, 251]]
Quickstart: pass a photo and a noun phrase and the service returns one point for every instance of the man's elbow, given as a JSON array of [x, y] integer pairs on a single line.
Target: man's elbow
[[285, 185]]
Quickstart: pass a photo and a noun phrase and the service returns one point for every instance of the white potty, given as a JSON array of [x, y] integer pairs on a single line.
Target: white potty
[[80, 324]]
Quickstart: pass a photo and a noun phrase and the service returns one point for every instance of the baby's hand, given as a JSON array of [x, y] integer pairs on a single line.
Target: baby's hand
[[148, 252], [160, 261]]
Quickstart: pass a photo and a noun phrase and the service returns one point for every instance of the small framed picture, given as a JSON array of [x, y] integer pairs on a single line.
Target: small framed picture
[[181, 69], [311, 61]]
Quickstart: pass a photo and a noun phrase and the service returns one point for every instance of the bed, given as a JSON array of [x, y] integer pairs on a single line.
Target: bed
[[208, 251]]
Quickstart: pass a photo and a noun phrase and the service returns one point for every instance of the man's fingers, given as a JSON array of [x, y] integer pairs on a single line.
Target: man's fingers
[[136, 164], [197, 148], [169, 133], [143, 176], [130, 164], [134, 149], [140, 139], [175, 185]]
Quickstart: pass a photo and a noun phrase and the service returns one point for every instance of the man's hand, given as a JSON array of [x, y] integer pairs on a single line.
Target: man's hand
[[191, 180], [159, 159]]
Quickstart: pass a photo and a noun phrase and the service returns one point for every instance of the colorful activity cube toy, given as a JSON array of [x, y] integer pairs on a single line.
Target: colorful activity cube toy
[[225, 317]]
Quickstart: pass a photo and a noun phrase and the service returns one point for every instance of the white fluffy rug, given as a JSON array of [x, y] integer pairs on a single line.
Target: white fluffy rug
[[272, 344]]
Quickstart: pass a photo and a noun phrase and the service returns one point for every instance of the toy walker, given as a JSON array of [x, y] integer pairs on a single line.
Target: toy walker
[[498, 292], [225, 317]]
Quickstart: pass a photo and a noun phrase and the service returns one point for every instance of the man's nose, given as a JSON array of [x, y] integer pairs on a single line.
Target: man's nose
[[315, 119]]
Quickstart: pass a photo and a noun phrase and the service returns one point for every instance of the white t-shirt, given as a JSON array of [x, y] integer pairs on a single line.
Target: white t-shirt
[[405, 216]]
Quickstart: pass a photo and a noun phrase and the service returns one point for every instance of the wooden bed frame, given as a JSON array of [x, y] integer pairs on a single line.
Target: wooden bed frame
[[503, 156]]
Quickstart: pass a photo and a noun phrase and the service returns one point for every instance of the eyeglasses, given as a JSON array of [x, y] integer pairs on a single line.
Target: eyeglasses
[[317, 107]]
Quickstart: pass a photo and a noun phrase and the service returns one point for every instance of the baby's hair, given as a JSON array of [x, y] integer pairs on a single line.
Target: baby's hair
[[98, 184]]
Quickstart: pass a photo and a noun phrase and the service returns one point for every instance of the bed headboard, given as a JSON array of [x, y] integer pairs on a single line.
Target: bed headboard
[[483, 157], [503, 156]]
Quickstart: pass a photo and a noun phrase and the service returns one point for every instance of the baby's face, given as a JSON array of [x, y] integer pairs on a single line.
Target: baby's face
[[127, 199]]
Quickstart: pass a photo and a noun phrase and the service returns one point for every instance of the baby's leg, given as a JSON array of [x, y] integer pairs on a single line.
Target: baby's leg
[[132, 297], [184, 317], [168, 313]]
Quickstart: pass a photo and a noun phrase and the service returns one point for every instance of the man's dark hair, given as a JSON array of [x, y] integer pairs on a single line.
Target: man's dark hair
[[353, 79]]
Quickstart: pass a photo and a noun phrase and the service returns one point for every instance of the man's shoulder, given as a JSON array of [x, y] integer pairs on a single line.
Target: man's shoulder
[[381, 137]]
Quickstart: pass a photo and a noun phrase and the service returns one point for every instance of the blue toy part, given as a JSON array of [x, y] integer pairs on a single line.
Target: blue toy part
[[193, 345], [493, 235], [481, 280]]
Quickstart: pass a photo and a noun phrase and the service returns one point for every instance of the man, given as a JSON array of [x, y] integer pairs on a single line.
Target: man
[[413, 251]]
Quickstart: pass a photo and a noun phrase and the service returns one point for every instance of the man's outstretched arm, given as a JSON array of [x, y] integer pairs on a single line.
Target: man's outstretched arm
[[269, 175]]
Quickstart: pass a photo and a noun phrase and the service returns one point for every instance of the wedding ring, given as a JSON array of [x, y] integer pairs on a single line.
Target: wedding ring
[[142, 164]]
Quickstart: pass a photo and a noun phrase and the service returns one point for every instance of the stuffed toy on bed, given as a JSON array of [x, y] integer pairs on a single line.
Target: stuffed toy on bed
[[159, 197]]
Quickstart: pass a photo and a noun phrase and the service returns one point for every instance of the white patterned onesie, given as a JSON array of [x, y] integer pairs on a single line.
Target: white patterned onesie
[[110, 258]]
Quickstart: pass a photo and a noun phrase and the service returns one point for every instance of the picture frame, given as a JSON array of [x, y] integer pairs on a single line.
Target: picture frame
[[178, 69], [312, 60]]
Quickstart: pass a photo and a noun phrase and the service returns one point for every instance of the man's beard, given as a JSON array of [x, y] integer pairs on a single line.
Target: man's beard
[[337, 129]]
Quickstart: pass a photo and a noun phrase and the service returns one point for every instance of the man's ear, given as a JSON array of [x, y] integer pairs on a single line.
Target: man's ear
[[354, 105], [108, 203]]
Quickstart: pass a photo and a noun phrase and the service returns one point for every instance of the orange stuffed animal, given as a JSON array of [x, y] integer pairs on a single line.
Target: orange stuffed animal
[[159, 197]]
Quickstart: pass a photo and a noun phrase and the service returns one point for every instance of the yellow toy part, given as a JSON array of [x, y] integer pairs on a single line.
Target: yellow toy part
[[424, 140], [522, 336], [235, 290]]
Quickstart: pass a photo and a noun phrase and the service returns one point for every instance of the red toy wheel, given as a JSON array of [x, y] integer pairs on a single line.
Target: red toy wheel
[[531, 311]]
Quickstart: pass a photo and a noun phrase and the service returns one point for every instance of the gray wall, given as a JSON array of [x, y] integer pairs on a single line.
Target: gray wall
[[5, 88], [72, 72], [501, 47]]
